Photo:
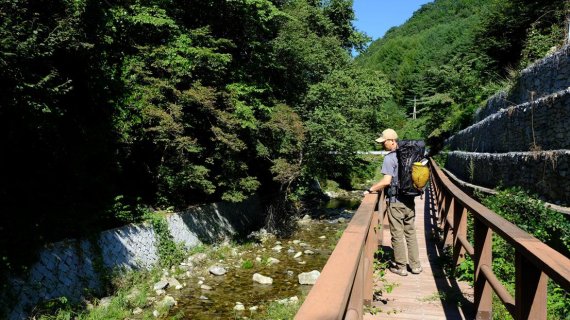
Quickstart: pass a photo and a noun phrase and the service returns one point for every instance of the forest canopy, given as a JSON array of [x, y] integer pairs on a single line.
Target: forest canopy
[[111, 108]]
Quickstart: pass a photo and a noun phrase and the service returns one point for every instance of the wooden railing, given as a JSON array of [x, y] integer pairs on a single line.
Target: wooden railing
[[534, 260], [345, 283]]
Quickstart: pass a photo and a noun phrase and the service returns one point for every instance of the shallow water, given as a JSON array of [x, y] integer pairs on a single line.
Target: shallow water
[[237, 284]]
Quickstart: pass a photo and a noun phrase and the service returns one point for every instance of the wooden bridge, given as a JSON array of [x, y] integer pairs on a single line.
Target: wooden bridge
[[348, 287]]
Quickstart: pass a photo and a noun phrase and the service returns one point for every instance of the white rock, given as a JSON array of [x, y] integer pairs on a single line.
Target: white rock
[[322, 237], [298, 254], [302, 262], [217, 270], [179, 287], [239, 307], [172, 282], [258, 259], [203, 298], [309, 277], [105, 302], [254, 308], [262, 279], [160, 292], [277, 248], [162, 284], [302, 244], [271, 261], [200, 282], [168, 302], [308, 252], [137, 310], [294, 299], [205, 287], [296, 241], [155, 313]]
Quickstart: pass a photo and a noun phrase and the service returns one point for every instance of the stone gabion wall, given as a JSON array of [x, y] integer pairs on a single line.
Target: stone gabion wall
[[544, 173], [69, 268], [521, 138], [543, 124], [543, 78]]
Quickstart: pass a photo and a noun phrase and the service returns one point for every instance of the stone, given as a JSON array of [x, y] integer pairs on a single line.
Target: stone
[[203, 298], [217, 270], [172, 282], [322, 237], [272, 261], [298, 254], [155, 313], [239, 306], [309, 277], [290, 273], [160, 292], [168, 302], [137, 310], [296, 241], [205, 287], [162, 284], [262, 279], [277, 248], [254, 308], [105, 302], [309, 252], [179, 287]]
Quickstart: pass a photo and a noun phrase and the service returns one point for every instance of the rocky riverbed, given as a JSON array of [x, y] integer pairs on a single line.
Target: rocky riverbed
[[239, 281]]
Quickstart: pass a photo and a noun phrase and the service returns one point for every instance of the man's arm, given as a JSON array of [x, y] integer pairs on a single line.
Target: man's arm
[[383, 183]]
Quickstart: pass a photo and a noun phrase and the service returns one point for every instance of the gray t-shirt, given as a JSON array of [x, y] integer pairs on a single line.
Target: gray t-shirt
[[390, 168]]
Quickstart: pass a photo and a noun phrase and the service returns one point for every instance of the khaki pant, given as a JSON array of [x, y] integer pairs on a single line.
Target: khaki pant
[[402, 217]]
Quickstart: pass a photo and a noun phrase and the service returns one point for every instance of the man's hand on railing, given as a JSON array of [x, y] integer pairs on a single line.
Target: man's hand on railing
[[368, 191]]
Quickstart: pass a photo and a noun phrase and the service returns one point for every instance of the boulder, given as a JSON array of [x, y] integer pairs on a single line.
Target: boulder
[[309, 277], [262, 279]]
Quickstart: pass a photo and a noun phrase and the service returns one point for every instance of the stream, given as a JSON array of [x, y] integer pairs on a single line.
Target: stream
[[242, 261]]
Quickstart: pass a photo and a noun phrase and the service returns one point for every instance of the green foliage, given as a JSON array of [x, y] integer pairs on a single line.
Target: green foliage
[[549, 226], [169, 252], [247, 264]]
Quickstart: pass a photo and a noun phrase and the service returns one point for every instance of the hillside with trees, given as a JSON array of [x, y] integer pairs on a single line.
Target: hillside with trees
[[450, 56]]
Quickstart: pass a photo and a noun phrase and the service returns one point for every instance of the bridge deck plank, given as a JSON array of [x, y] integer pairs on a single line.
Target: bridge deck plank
[[428, 295]]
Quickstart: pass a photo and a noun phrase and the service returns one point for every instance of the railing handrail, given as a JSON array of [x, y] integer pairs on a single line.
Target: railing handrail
[[533, 257], [346, 279]]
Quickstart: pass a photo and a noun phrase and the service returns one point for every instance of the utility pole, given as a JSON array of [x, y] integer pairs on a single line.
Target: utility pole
[[414, 116]]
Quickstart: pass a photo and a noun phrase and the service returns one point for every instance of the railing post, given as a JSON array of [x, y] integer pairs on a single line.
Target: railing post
[[449, 235], [355, 307], [531, 287], [459, 229], [483, 256], [371, 247]]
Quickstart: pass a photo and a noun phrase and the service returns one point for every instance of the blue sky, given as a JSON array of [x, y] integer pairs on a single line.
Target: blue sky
[[375, 17]]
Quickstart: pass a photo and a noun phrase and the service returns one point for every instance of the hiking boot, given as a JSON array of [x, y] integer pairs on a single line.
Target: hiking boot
[[399, 271], [417, 270]]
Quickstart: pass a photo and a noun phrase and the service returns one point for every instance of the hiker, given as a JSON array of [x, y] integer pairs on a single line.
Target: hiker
[[401, 210]]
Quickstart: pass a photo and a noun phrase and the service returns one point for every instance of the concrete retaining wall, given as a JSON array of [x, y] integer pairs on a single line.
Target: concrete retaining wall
[[68, 268]]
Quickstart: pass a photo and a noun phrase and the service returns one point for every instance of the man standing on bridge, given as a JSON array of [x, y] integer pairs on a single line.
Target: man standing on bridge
[[401, 210]]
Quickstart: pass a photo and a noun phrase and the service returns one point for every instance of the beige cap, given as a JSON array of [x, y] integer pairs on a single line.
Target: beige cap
[[388, 134]]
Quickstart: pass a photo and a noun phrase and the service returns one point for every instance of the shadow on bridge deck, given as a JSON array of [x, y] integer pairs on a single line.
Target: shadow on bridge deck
[[429, 295]]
